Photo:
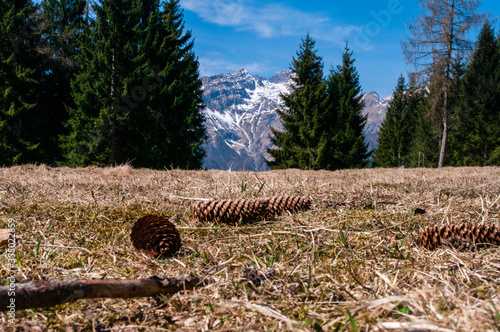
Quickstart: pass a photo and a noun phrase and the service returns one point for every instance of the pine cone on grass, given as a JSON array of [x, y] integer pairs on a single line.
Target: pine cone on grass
[[229, 211], [232, 211], [432, 237], [155, 236], [279, 204]]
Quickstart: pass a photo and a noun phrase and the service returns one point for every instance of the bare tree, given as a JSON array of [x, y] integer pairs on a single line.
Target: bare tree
[[438, 37]]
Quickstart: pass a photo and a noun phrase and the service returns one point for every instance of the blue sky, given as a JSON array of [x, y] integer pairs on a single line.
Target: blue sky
[[263, 36]]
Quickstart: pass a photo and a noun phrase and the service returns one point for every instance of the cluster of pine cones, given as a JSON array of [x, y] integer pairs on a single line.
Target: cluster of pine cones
[[158, 237]]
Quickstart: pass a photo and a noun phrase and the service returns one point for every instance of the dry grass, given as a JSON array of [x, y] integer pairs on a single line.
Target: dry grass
[[350, 263]]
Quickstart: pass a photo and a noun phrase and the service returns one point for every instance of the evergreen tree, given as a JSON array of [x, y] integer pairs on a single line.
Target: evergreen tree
[[20, 74], [296, 145], [478, 114], [327, 157], [62, 22], [404, 129], [424, 148], [495, 154], [138, 96], [97, 130], [456, 128], [342, 143], [168, 125], [396, 130]]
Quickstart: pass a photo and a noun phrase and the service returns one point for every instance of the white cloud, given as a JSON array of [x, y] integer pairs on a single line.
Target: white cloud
[[216, 64], [269, 20]]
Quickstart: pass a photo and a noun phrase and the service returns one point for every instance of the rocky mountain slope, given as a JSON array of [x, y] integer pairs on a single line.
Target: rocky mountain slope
[[375, 109], [240, 108]]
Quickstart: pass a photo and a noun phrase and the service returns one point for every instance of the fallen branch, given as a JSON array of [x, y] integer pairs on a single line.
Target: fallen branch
[[42, 294]]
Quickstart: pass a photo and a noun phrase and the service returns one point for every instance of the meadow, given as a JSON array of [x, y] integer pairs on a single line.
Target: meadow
[[350, 263]]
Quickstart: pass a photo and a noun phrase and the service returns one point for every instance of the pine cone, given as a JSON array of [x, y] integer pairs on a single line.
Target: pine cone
[[229, 211], [279, 204], [156, 236], [431, 237]]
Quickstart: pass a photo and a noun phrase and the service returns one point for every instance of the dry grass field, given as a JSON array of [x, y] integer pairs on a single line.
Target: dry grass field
[[351, 263]]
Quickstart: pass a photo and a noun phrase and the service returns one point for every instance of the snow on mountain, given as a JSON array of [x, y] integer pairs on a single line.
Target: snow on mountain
[[240, 109], [375, 109]]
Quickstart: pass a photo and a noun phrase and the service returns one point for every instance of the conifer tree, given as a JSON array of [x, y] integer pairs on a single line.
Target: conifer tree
[[296, 145], [62, 22], [167, 126], [424, 148], [20, 74], [456, 128], [97, 130], [342, 143], [394, 132], [138, 96], [478, 118], [398, 128], [495, 154], [327, 156]]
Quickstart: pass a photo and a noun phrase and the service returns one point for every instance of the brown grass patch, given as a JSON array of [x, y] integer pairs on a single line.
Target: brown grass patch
[[349, 263]]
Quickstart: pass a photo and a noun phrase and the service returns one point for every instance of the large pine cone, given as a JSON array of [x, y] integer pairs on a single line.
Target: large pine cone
[[432, 237], [280, 204], [155, 236], [229, 211]]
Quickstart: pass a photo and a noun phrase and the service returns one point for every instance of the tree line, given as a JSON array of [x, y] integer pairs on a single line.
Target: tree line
[[448, 114], [99, 84], [412, 132], [110, 82]]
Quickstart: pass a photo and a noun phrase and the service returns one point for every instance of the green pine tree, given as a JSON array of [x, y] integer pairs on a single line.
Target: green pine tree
[[296, 145], [495, 154], [424, 148], [167, 126], [20, 73], [61, 24], [138, 96], [478, 113], [427, 139], [342, 143], [389, 150], [97, 128], [396, 133], [456, 127], [327, 156]]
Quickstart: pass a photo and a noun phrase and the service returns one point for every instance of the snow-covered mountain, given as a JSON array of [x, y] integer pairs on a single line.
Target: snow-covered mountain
[[240, 109], [375, 109]]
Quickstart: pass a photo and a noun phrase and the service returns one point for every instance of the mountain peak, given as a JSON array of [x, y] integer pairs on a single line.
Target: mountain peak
[[281, 77], [239, 110]]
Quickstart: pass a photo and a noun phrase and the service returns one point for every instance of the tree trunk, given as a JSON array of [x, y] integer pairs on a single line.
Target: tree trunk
[[112, 133], [445, 129], [48, 293]]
